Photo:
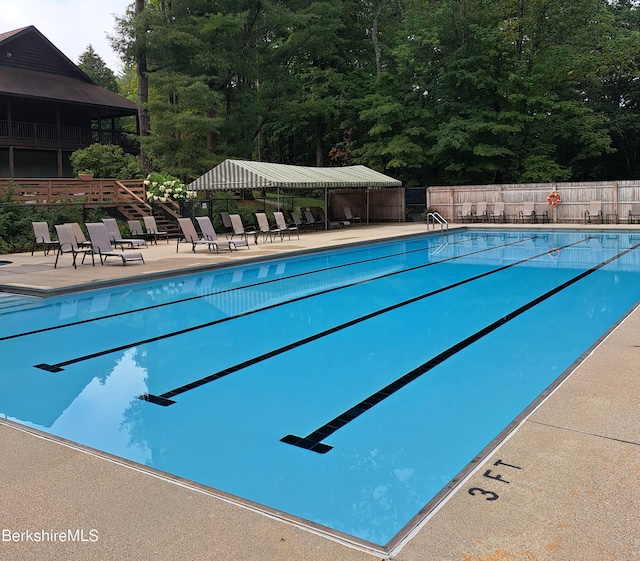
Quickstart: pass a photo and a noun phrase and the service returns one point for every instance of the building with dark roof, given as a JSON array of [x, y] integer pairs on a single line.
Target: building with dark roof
[[49, 108]]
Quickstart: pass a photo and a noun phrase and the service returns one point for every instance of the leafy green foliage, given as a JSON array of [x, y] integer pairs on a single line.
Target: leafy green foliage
[[94, 67], [16, 231], [106, 160], [429, 91]]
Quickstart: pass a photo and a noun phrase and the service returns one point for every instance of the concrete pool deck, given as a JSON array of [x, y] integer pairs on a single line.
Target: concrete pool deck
[[564, 486]]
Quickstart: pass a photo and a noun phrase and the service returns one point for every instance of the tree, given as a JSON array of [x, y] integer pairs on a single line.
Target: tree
[[192, 59], [430, 91], [317, 67], [499, 88], [131, 43], [615, 92], [94, 67]]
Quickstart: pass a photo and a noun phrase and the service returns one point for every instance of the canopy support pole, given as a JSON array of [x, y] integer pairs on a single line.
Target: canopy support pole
[[326, 208], [367, 203]]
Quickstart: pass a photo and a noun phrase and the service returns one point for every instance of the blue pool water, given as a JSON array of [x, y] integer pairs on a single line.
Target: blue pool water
[[347, 388]]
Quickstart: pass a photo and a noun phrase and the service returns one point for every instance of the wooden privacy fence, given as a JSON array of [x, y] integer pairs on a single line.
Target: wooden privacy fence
[[618, 198]]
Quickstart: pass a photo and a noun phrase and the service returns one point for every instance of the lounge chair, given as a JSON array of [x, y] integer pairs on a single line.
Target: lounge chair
[[136, 231], [594, 213], [42, 236], [310, 220], [322, 217], [209, 233], [282, 225], [226, 220], [634, 214], [81, 239], [115, 236], [69, 244], [338, 219], [189, 235], [101, 245], [240, 230], [466, 214], [349, 216], [297, 221], [264, 228], [528, 212], [542, 213], [342, 220], [497, 214], [152, 228], [481, 211]]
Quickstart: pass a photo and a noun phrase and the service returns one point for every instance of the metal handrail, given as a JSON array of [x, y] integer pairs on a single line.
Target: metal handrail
[[437, 217]]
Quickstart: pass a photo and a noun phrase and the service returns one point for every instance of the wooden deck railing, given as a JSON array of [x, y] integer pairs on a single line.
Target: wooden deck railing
[[48, 191], [129, 196], [63, 134]]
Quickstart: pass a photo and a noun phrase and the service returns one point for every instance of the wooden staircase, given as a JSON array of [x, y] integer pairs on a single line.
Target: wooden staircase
[[133, 207], [166, 224]]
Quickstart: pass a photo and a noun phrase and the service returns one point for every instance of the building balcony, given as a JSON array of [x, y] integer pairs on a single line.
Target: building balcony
[[66, 137]]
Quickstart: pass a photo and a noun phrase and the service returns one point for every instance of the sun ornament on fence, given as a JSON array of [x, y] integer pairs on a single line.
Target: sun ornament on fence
[[162, 188]]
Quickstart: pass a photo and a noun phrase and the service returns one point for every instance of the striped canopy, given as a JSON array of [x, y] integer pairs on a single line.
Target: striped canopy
[[232, 175]]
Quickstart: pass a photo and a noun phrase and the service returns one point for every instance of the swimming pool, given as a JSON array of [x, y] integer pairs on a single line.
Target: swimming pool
[[347, 388]]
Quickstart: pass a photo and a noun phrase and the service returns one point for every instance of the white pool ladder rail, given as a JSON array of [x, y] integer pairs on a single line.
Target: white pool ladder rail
[[437, 217]]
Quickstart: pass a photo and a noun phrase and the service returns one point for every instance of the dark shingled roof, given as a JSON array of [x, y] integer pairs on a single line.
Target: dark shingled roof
[[35, 68], [8, 34], [56, 87]]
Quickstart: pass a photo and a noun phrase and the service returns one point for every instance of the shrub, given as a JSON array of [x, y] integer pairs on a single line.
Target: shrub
[[163, 187], [16, 231], [106, 160]]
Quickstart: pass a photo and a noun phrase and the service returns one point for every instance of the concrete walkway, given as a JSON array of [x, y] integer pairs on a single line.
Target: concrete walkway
[[565, 486]]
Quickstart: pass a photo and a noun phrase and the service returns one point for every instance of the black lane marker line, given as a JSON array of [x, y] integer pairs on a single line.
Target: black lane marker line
[[235, 288], [157, 399], [313, 441], [165, 398], [58, 367]]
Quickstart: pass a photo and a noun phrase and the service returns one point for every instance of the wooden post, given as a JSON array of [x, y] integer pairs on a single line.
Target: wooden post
[[452, 212]]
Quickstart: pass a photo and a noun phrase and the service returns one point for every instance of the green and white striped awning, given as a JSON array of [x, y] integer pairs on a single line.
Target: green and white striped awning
[[232, 175]]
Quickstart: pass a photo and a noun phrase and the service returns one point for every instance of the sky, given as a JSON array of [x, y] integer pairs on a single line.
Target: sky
[[71, 25]]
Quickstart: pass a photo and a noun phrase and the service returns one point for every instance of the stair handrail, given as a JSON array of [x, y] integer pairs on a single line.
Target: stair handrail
[[122, 188], [172, 208]]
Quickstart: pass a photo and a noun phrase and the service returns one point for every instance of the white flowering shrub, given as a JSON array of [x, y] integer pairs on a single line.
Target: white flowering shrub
[[162, 188]]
